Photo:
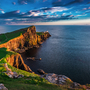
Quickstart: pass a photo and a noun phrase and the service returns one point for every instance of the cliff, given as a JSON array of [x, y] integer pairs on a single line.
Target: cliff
[[17, 61], [27, 40]]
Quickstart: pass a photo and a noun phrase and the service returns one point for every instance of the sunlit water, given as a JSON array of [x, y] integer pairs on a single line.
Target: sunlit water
[[66, 52]]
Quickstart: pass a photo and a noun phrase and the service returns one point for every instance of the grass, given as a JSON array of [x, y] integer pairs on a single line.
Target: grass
[[30, 81], [4, 54], [8, 36], [2, 37], [39, 33]]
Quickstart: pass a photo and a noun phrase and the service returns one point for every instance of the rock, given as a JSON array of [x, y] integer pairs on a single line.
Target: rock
[[18, 62], [12, 74], [56, 79], [2, 87], [75, 85], [21, 51], [36, 46], [20, 76], [41, 71]]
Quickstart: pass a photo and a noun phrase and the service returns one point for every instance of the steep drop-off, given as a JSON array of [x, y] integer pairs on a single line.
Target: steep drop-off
[[27, 40], [17, 61]]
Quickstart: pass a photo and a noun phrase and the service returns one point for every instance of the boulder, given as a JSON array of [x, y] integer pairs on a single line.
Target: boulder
[[2, 87], [41, 71]]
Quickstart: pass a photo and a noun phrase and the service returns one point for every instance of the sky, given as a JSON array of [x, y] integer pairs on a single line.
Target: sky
[[45, 12]]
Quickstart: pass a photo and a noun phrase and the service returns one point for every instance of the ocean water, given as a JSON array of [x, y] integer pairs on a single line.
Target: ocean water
[[66, 52]]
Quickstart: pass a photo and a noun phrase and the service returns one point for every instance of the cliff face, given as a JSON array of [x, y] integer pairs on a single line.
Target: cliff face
[[17, 61], [28, 39]]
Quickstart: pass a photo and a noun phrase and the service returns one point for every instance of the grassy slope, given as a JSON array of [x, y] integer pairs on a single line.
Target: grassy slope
[[29, 82], [8, 36], [4, 53]]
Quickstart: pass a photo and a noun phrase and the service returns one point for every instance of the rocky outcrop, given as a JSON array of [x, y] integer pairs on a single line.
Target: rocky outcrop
[[2, 87], [17, 61], [40, 71], [56, 79], [27, 40], [11, 74], [62, 80]]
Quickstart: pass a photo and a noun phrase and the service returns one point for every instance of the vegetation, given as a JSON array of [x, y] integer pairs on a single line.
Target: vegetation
[[30, 81], [4, 54], [39, 33], [8, 36]]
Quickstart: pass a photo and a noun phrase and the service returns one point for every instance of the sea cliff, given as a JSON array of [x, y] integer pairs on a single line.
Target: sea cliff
[[29, 39]]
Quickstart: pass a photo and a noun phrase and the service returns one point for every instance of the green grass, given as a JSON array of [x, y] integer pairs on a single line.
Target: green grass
[[8, 36], [39, 33], [30, 81], [2, 37], [2, 69], [4, 54]]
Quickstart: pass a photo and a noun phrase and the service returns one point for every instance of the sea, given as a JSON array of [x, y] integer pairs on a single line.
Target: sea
[[66, 52]]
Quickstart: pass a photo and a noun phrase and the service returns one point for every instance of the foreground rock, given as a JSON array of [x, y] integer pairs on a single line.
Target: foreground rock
[[56, 79], [41, 71], [12, 74], [2, 87], [61, 80]]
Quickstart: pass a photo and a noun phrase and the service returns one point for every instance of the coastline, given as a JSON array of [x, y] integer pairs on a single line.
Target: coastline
[[36, 43]]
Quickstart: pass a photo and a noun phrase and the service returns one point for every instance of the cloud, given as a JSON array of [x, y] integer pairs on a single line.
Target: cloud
[[2, 12], [26, 1], [1, 9], [13, 3], [60, 3], [10, 14], [57, 3], [72, 2], [54, 9], [47, 10]]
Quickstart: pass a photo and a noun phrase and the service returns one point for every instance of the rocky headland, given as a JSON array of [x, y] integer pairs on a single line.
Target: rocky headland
[[29, 39]]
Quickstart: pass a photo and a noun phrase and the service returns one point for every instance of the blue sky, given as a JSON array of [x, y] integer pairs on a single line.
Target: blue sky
[[43, 11]]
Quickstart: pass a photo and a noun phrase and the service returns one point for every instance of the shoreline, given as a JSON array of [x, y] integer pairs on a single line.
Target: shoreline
[[21, 46]]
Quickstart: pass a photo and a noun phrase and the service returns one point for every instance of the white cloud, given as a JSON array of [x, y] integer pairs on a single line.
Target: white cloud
[[58, 9], [2, 12]]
